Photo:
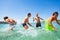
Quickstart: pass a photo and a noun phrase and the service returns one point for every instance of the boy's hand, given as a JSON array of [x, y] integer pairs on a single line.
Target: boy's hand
[[33, 18]]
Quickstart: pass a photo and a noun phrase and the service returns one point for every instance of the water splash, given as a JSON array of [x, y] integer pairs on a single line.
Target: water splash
[[32, 33]]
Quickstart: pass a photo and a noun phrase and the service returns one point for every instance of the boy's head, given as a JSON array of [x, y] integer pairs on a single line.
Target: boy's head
[[5, 17], [55, 14], [37, 15], [29, 15]]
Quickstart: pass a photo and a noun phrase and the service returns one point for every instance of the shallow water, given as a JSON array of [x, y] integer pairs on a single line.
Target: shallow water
[[32, 33]]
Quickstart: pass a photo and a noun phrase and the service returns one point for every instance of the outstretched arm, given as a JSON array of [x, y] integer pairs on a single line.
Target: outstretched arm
[[57, 22], [41, 19]]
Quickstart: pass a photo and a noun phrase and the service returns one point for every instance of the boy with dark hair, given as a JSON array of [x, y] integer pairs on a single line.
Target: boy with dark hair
[[48, 23], [26, 21], [5, 17], [11, 21]]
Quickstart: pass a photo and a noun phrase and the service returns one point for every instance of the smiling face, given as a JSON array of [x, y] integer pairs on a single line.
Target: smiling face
[[55, 14]]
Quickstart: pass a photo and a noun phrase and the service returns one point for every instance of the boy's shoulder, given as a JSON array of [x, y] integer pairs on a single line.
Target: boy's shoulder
[[37, 17], [10, 18], [51, 17], [25, 18]]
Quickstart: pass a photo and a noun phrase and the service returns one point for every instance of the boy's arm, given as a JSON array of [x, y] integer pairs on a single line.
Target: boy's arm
[[41, 19], [53, 26], [34, 19], [15, 22], [57, 22], [29, 24]]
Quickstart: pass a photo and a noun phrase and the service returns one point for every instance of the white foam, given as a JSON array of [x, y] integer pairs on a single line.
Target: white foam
[[30, 32]]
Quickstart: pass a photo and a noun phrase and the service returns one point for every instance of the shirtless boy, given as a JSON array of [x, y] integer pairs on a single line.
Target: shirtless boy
[[38, 23], [11, 21], [48, 23], [26, 21]]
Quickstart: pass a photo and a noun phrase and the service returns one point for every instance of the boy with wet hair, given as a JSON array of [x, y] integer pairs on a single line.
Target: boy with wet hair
[[26, 21], [11, 21], [48, 23]]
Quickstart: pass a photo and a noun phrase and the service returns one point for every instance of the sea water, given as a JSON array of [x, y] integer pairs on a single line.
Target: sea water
[[33, 33]]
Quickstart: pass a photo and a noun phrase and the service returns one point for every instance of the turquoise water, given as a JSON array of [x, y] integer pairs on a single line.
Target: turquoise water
[[32, 33]]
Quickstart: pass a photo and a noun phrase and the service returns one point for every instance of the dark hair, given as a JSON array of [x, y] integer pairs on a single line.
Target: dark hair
[[55, 13], [29, 14], [5, 17]]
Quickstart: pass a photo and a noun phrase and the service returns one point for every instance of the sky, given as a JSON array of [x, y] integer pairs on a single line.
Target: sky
[[18, 9]]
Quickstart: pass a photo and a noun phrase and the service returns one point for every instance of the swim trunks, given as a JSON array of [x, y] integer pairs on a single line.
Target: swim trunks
[[48, 26], [38, 24], [24, 24]]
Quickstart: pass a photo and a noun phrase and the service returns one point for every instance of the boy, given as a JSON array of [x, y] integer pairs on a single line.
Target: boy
[[38, 23], [26, 21], [11, 21], [48, 23]]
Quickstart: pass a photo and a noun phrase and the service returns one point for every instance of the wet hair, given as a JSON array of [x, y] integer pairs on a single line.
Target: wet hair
[[29, 14], [55, 13], [5, 17]]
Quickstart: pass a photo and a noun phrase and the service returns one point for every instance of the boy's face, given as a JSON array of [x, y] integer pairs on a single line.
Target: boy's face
[[56, 15], [29, 16]]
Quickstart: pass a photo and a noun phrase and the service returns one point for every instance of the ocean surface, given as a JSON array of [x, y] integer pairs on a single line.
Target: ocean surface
[[33, 33]]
